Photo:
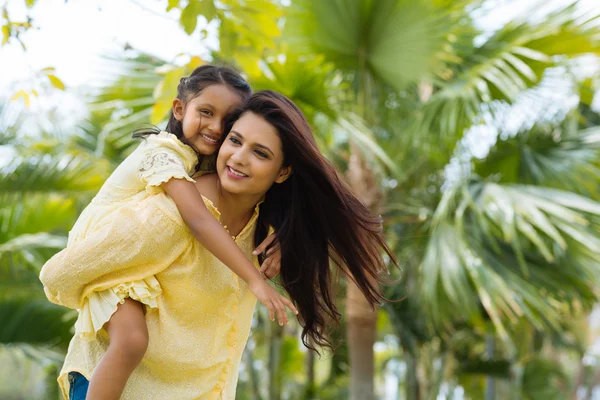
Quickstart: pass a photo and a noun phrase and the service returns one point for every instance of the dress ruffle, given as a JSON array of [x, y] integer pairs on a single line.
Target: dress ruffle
[[99, 307], [166, 158]]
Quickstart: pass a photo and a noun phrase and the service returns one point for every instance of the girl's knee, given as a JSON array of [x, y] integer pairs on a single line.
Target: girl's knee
[[128, 331]]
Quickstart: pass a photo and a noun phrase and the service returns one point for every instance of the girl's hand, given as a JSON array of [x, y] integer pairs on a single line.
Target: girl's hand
[[274, 302], [271, 265]]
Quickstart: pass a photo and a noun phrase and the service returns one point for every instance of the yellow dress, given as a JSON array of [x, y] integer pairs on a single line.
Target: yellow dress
[[120, 209], [132, 242], [198, 329]]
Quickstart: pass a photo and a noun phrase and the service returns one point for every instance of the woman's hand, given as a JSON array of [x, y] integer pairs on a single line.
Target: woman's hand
[[274, 302], [271, 265]]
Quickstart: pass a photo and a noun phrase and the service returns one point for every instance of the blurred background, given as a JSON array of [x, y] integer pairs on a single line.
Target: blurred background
[[471, 126]]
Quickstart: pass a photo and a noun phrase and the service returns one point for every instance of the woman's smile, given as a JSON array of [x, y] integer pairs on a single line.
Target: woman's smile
[[235, 174]]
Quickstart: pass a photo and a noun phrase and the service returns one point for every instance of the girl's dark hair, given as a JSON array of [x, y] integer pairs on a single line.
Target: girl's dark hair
[[190, 87], [317, 218]]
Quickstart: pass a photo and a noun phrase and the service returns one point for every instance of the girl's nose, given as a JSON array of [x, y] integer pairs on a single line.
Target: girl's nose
[[216, 126]]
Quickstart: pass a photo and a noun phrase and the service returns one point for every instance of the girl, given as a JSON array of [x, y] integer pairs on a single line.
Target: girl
[[165, 162], [269, 172]]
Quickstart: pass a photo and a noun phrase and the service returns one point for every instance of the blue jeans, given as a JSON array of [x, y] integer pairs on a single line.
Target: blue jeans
[[78, 386]]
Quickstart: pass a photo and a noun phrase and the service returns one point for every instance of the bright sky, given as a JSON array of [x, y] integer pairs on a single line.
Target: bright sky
[[72, 36]]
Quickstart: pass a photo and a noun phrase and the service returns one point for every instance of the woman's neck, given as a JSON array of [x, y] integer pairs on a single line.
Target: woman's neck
[[236, 210]]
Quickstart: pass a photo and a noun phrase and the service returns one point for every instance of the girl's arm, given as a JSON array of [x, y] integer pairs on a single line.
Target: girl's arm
[[212, 235]]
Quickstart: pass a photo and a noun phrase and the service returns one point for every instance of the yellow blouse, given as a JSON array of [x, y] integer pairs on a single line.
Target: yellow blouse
[[198, 329], [132, 242]]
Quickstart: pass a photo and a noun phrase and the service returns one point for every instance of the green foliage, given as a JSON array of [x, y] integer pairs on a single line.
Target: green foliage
[[511, 251], [390, 40], [35, 322]]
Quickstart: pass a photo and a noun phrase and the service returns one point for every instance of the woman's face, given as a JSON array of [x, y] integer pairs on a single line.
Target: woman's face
[[251, 157]]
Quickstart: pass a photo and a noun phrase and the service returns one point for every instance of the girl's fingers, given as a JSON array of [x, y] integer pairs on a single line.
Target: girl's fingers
[[282, 314], [271, 313], [290, 305]]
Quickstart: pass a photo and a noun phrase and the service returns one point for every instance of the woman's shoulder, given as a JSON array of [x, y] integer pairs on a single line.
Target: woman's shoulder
[[206, 184]]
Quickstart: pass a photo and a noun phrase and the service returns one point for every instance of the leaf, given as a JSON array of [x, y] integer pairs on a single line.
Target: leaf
[[194, 63], [164, 94], [249, 61], [37, 240], [24, 95], [374, 37], [35, 322], [56, 82], [30, 3], [207, 9], [51, 174], [172, 4], [5, 33], [189, 16]]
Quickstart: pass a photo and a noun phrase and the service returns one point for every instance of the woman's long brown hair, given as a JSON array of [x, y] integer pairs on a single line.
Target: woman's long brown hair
[[316, 218]]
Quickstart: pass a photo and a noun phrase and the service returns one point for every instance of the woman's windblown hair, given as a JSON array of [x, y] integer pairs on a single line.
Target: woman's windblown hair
[[317, 219]]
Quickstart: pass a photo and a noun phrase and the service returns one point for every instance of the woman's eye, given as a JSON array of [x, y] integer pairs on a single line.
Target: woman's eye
[[234, 140], [261, 154]]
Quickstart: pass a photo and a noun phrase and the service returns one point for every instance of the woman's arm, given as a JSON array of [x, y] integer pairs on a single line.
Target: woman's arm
[[271, 265], [212, 235]]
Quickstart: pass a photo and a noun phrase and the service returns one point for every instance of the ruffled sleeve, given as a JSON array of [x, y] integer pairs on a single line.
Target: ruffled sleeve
[[165, 158]]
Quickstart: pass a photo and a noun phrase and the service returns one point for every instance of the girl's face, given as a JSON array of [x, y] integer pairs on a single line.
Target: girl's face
[[251, 157], [202, 117]]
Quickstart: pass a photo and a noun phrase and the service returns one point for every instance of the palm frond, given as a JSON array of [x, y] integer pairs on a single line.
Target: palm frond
[[507, 63], [35, 322], [547, 156], [307, 81], [378, 38], [512, 251], [123, 105], [66, 174]]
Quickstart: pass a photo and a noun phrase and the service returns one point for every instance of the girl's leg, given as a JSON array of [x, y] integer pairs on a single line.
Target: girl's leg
[[128, 343]]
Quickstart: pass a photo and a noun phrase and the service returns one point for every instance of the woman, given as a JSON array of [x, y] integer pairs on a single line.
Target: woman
[[269, 173]]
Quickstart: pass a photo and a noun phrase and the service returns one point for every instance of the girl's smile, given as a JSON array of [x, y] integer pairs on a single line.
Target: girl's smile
[[202, 117]]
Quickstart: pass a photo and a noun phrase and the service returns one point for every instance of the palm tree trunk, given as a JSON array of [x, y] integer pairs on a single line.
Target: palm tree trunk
[[339, 359], [413, 390], [309, 392], [254, 379], [274, 362], [362, 318], [490, 383]]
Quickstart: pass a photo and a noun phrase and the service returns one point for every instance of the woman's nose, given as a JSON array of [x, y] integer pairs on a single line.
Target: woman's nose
[[238, 156]]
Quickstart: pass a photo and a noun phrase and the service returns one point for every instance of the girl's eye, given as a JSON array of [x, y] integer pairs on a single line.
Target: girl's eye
[[234, 140], [261, 154], [207, 112]]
